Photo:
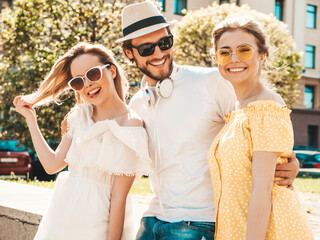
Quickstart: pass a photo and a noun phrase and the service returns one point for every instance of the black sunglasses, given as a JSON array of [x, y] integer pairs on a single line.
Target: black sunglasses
[[93, 75], [147, 49]]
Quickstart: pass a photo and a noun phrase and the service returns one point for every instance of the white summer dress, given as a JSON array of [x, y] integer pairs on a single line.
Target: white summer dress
[[80, 205]]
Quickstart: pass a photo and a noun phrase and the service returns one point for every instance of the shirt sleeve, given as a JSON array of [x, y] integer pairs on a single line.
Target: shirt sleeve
[[271, 127], [223, 94]]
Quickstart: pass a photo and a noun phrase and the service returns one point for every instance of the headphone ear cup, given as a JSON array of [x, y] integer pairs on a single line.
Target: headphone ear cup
[[164, 88], [149, 96]]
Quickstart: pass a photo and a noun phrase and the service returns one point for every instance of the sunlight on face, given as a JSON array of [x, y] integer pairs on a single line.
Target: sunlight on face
[[239, 71]]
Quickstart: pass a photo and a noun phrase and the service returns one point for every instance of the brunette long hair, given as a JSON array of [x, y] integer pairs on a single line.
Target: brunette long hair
[[245, 23]]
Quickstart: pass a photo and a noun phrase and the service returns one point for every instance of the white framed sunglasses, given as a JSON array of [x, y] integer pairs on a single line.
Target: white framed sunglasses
[[94, 74]]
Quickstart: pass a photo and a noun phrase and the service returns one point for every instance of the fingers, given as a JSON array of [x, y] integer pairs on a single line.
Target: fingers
[[293, 165], [64, 127], [285, 182], [66, 116], [15, 100], [64, 124], [285, 174], [286, 167], [20, 102], [291, 156]]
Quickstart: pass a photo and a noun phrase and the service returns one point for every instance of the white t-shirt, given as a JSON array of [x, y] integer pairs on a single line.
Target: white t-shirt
[[181, 129]]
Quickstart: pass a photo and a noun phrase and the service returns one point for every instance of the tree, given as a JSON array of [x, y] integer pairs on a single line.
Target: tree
[[32, 37], [37, 32], [193, 44]]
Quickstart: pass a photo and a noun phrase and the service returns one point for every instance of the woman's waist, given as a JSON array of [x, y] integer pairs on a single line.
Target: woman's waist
[[91, 173]]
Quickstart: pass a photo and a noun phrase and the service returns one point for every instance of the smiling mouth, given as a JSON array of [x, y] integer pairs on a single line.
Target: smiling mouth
[[157, 63], [238, 69], [93, 92]]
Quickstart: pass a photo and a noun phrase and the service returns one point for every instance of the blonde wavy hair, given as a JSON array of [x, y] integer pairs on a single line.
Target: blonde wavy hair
[[56, 82]]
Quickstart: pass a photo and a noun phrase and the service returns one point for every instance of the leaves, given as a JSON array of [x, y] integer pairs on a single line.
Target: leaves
[[32, 37], [193, 44], [37, 32]]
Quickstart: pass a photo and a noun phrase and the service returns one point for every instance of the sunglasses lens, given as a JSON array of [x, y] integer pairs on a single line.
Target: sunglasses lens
[[76, 83], [244, 53], [165, 43], [223, 56], [94, 74], [146, 49]]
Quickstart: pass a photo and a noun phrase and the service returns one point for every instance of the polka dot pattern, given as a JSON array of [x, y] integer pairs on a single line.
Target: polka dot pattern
[[262, 126]]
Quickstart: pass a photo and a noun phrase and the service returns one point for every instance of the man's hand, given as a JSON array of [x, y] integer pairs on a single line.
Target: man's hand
[[287, 171]]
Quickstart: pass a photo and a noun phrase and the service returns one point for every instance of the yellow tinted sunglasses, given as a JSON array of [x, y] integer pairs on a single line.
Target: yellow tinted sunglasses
[[244, 53]]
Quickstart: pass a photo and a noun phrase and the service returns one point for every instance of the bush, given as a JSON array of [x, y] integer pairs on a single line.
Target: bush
[[193, 44]]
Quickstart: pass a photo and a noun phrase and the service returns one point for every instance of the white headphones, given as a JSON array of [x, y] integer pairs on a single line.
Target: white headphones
[[164, 88]]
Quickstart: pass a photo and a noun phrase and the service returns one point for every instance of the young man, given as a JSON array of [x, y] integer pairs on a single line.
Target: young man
[[183, 109]]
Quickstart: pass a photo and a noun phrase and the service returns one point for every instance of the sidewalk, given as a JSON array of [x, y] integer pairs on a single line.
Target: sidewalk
[[24, 205], [311, 202]]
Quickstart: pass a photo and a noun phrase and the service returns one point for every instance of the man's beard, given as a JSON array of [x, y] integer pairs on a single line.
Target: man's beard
[[146, 72]]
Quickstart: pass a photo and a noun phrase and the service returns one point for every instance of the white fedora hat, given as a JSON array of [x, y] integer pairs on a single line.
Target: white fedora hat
[[140, 19]]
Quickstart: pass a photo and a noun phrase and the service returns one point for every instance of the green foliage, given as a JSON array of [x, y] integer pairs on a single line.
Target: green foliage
[[193, 44], [37, 32], [33, 36], [307, 185], [140, 188]]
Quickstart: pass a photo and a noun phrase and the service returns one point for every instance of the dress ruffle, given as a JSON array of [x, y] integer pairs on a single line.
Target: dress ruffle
[[260, 108], [115, 149], [266, 119]]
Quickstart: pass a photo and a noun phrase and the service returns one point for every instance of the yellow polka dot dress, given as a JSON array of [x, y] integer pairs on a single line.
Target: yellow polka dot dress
[[262, 126]]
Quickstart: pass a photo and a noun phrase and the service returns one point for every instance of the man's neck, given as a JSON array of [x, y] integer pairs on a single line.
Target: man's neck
[[151, 82]]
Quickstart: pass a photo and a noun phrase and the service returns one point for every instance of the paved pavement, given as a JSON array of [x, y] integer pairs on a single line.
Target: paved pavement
[[311, 203], [36, 199]]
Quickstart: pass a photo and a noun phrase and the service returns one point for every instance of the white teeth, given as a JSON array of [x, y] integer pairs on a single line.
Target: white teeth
[[93, 91], [236, 69], [158, 63]]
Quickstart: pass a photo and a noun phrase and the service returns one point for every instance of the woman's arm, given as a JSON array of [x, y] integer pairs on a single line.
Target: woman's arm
[[263, 167], [120, 190], [52, 161]]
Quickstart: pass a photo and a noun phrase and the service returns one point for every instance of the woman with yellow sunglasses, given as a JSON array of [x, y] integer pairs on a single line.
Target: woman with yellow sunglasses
[[243, 156]]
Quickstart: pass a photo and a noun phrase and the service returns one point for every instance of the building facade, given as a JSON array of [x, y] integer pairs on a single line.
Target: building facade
[[302, 17], [5, 3]]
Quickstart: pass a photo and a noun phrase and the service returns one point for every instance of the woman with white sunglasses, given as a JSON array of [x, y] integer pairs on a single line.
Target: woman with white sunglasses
[[257, 135], [105, 147]]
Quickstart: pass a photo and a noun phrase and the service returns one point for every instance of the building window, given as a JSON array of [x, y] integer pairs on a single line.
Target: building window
[[309, 56], [311, 16], [278, 9], [5, 4], [313, 136], [179, 5], [309, 97], [163, 4], [224, 1]]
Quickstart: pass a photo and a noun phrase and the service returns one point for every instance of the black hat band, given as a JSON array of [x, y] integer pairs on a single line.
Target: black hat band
[[142, 24]]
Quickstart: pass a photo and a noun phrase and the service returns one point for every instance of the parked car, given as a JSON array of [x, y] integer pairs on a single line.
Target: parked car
[[308, 159], [37, 168], [14, 158]]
